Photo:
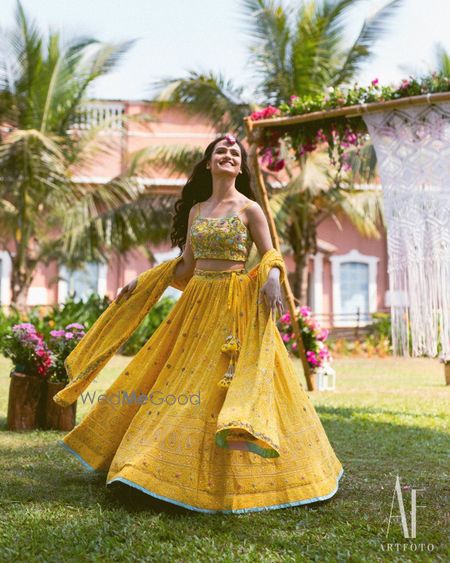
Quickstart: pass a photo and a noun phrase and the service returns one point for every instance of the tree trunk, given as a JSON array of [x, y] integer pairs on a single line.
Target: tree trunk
[[56, 416], [25, 404], [301, 278], [304, 280], [20, 285], [297, 286]]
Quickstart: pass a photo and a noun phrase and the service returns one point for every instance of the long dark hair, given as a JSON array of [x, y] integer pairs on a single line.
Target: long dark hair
[[198, 188]]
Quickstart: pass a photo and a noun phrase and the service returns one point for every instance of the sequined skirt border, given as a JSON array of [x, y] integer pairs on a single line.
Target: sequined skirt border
[[217, 274]]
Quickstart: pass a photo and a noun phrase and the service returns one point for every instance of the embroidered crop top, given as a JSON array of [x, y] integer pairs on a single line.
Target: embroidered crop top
[[226, 238]]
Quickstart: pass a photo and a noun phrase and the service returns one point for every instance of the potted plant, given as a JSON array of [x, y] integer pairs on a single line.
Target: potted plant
[[26, 347], [313, 337], [61, 343]]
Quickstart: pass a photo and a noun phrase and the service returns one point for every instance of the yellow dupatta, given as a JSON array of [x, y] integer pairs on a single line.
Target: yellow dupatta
[[112, 329], [247, 418]]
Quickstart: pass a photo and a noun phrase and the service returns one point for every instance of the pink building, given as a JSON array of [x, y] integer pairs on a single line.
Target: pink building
[[348, 277]]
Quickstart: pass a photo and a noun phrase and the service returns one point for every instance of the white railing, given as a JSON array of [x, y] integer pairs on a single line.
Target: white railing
[[95, 114]]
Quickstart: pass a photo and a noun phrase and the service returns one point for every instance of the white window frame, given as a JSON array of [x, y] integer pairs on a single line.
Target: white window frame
[[317, 304], [63, 288], [353, 256], [5, 279]]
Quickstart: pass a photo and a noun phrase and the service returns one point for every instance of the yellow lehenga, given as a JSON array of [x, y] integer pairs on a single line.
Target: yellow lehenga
[[179, 433]]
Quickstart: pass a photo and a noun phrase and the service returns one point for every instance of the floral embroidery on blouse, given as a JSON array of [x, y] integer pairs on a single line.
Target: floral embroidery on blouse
[[226, 238]]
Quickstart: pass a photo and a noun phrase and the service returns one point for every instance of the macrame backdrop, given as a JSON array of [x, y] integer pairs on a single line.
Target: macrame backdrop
[[413, 153]]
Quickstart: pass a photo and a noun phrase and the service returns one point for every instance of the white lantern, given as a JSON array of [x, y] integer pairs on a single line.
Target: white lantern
[[325, 378]]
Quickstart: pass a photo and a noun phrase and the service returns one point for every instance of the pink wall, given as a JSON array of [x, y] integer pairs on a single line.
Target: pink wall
[[173, 127]]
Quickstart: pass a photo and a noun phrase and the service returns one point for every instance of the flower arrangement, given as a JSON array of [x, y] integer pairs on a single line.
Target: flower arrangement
[[61, 343], [33, 355], [313, 337], [340, 135], [26, 347]]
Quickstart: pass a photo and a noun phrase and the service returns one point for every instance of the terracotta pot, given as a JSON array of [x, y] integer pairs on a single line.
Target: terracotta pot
[[25, 401], [57, 417], [447, 373]]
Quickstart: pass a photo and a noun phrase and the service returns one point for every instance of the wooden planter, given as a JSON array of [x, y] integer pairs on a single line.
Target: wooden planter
[[447, 373], [57, 417], [25, 401]]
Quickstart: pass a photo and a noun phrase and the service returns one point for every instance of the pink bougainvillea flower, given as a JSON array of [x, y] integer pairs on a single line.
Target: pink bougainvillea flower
[[321, 135], [286, 318], [305, 311], [25, 326], [276, 166], [312, 358], [77, 326], [404, 84], [57, 333], [374, 82], [267, 157], [323, 335], [269, 111], [230, 138]]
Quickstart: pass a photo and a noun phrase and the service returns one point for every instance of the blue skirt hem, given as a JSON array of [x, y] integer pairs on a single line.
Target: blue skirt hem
[[195, 508], [237, 511]]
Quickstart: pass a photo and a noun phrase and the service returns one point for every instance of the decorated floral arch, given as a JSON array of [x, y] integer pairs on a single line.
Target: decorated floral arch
[[409, 127]]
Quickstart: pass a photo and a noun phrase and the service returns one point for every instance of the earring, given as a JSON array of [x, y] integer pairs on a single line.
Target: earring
[[240, 171]]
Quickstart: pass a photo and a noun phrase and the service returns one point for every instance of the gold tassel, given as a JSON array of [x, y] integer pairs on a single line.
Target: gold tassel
[[232, 346]]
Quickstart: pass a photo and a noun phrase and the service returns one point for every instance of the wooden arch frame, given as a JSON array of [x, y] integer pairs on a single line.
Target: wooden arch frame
[[254, 130]]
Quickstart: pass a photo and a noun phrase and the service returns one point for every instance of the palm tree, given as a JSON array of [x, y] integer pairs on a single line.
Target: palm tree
[[294, 52], [443, 60], [44, 213]]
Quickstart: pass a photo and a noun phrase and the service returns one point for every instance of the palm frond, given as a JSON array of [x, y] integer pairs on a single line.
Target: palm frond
[[372, 30], [267, 23], [176, 159], [209, 95], [443, 59]]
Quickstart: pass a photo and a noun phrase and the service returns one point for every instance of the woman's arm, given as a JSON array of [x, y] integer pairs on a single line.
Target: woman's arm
[[259, 229]]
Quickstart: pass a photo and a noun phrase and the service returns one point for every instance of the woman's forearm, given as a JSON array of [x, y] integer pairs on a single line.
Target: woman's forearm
[[182, 270]]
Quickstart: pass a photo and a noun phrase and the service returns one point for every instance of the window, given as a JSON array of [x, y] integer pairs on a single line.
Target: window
[[354, 278], [82, 282], [354, 291], [5, 278]]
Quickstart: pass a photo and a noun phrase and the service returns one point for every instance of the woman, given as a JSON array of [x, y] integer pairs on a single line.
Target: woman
[[219, 420]]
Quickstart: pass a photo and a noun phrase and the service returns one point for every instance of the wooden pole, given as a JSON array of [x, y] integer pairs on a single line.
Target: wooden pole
[[254, 164]]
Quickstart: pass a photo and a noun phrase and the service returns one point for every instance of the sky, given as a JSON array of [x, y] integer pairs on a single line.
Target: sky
[[177, 36]]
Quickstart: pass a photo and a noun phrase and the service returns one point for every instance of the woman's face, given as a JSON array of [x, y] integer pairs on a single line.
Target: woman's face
[[226, 159]]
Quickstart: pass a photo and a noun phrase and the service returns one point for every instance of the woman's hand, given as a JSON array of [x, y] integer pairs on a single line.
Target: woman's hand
[[126, 290], [271, 292]]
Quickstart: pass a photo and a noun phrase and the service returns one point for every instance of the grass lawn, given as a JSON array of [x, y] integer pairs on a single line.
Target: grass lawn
[[387, 417]]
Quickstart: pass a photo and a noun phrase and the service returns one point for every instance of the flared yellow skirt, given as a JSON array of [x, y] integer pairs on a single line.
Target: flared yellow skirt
[[155, 427]]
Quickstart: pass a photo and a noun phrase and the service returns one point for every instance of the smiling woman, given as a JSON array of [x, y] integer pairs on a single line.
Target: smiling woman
[[253, 440]]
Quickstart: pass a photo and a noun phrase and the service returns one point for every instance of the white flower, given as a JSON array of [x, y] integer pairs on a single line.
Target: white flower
[[330, 89]]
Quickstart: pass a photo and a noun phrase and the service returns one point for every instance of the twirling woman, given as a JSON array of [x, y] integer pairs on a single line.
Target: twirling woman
[[210, 414]]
